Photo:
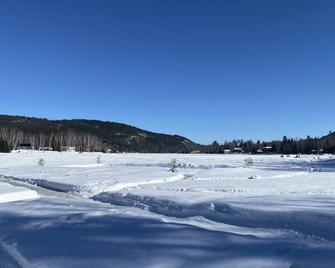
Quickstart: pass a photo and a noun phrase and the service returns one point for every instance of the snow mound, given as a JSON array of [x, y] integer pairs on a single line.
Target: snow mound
[[318, 225]]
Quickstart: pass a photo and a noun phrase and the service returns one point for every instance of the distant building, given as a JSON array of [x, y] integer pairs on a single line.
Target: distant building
[[226, 151], [67, 149], [238, 150], [260, 151], [45, 149], [267, 149], [24, 146], [195, 152]]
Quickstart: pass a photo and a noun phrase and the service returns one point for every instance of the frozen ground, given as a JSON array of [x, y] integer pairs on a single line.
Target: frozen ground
[[128, 210]]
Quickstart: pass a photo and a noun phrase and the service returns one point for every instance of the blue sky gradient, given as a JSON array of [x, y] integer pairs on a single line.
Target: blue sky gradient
[[202, 69]]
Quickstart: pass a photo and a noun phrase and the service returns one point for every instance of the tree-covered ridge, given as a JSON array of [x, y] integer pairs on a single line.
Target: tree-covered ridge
[[89, 135]]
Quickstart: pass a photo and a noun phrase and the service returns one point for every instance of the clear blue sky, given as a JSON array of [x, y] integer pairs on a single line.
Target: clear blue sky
[[203, 69]]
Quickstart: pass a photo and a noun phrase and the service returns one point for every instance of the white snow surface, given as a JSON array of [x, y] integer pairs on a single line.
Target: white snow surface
[[201, 177], [131, 211]]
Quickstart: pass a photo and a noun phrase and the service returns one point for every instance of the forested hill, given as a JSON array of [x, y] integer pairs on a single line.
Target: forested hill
[[89, 135]]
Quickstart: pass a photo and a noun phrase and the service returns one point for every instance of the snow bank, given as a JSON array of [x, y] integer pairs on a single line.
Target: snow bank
[[10, 193]]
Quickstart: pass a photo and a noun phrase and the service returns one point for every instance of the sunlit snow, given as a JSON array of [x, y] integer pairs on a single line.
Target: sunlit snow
[[130, 210]]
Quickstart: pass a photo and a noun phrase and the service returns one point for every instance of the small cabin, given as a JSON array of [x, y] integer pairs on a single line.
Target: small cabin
[[226, 151], [267, 149], [24, 146], [320, 151], [238, 150], [45, 149], [67, 149]]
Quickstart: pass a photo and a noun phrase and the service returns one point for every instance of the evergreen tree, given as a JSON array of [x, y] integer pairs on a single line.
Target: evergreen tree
[[4, 147]]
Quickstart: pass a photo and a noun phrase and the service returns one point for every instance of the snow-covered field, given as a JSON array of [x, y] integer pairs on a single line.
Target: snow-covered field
[[129, 210]]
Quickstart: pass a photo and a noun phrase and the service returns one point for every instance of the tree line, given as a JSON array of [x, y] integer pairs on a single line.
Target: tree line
[[12, 137], [100, 136], [308, 145]]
